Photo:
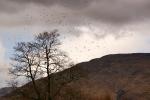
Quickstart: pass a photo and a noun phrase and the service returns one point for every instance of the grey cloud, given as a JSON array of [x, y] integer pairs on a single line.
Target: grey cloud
[[67, 3], [119, 11], [7, 6], [111, 11]]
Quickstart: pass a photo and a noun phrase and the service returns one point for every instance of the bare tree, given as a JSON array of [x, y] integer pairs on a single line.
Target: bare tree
[[41, 57], [54, 60], [26, 63]]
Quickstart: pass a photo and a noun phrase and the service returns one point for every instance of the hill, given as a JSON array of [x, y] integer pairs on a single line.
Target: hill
[[5, 90], [112, 77]]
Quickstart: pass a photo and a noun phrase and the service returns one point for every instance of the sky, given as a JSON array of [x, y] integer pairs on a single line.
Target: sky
[[89, 28]]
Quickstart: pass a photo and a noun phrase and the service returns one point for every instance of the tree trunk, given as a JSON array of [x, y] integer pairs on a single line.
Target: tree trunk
[[49, 87], [48, 74], [36, 90], [34, 84]]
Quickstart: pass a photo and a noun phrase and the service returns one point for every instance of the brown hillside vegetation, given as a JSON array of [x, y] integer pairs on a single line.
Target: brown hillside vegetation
[[112, 77]]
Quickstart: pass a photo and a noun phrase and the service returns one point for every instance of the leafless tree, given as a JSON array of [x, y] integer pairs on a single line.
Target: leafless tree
[[26, 63], [41, 57], [53, 59]]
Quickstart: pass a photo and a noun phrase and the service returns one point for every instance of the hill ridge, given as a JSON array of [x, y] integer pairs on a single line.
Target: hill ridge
[[104, 77]]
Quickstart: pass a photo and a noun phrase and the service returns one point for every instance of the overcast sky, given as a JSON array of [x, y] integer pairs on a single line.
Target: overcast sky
[[89, 28]]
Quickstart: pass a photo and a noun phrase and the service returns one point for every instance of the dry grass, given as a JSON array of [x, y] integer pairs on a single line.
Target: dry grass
[[100, 79]]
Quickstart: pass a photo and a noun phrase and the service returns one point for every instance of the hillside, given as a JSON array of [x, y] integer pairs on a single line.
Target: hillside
[[5, 90], [124, 76]]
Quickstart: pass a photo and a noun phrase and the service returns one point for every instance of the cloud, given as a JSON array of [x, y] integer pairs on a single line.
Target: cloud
[[111, 11], [2, 51], [3, 67], [119, 11], [8, 6], [110, 16], [74, 4], [86, 47]]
